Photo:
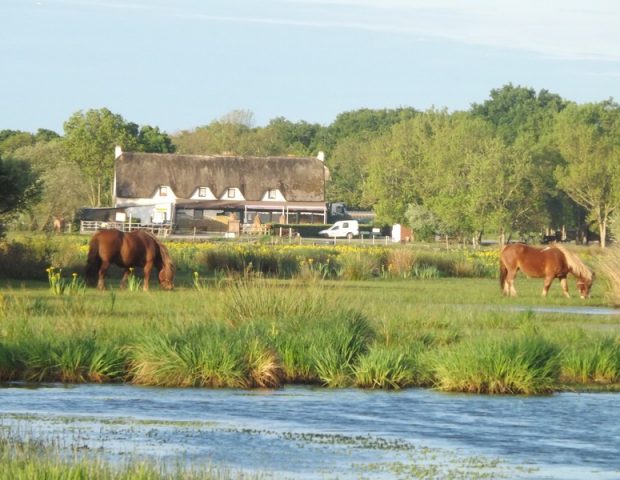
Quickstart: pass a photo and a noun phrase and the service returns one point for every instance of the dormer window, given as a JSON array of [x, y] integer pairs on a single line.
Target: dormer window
[[230, 193], [272, 194], [163, 191], [202, 192]]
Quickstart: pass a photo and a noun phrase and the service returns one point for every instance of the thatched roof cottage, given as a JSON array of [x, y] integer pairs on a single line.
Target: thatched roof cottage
[[169, 187]]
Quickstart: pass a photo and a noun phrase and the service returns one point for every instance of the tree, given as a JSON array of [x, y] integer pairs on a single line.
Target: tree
[[20, 187], [514, 111], [151, 139], [588, 137], [64, 189], [11, 140], [348, 167], [90, 139]]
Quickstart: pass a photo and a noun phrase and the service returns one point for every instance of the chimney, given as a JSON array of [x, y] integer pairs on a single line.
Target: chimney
[[321, 156], [118, 151]]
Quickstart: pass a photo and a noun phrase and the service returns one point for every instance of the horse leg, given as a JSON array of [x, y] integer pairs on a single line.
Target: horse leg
[[547, 284], [148, 266], [564, 284], [509, 287], [102, 271]]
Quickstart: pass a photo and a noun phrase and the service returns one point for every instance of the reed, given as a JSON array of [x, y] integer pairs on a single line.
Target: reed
[[594, 361], [266, 333], [30, 459], [609, 265], [385, 368], [209, 355], [337, 345], [510, 365]]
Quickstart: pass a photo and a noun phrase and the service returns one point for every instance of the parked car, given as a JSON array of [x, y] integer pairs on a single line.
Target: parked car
[[342, 229]]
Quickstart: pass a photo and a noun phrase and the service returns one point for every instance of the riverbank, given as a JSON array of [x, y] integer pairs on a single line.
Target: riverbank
[[439, 333]]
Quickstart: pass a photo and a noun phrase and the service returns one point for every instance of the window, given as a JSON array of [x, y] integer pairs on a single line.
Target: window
[[230, 193], [272, 194], [163, 191], [202, 192]]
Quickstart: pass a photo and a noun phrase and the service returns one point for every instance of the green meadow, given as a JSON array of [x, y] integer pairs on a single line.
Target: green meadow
[[262, 316]]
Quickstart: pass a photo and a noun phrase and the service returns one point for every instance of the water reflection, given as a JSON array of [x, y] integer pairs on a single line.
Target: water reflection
[[306, 432]]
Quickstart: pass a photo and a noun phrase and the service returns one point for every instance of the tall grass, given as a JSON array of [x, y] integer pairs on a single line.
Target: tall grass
[[260, 333], [594, 361], [609, 265], [385, 368], [29, 459], [520, 365]]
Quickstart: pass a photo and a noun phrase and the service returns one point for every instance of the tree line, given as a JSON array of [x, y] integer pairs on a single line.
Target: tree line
[[519, 162]]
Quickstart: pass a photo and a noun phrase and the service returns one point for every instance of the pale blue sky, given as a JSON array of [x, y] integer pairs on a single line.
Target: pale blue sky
[[179, 64]]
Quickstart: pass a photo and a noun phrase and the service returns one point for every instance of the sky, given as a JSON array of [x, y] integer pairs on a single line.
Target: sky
[[181, 64]]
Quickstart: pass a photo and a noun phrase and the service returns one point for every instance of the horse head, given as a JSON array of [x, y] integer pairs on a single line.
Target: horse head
[[166, 276], [584, 284]]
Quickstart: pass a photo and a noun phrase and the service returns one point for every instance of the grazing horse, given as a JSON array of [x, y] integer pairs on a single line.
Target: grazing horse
[[551, 262], [127, 250]]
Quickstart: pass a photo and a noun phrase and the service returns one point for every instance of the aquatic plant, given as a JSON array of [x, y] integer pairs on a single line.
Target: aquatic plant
[[384, 368], [506, 365], [593, 361]]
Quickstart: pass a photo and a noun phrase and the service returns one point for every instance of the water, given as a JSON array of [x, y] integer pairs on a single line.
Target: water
[[302, 432]]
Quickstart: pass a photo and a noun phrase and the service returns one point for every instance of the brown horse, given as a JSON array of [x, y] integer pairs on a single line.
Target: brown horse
[[127, 250], [551, 262]]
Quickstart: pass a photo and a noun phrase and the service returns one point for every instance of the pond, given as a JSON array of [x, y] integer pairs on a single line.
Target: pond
[[304, 432]]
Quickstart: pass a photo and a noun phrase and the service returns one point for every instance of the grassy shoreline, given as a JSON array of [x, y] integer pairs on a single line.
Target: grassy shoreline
[[449, 334]]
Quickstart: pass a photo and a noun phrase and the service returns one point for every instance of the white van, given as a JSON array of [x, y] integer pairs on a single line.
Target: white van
[[342, 229]]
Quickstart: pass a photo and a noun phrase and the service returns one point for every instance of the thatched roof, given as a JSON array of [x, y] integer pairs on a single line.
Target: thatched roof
[[299, 179]]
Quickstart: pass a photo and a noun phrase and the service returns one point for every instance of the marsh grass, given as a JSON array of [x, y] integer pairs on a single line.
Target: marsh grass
[[594, 361], [456, 334], [385, 368], [512, 365], [608, 264], [32, 459]]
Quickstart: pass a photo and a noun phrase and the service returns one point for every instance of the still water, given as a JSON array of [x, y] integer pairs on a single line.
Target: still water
[[302, 432]]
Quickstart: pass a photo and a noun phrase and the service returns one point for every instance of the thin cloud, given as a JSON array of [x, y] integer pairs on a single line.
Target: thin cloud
[[556, 28]]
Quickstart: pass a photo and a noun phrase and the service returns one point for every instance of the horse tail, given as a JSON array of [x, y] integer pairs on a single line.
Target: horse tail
[[575, 265], [503, 271], [93, 262]]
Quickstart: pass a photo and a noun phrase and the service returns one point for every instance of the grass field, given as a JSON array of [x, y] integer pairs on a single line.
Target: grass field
[[454, 334]]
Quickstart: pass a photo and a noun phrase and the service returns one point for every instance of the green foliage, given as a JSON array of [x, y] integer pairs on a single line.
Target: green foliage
[[28, 459], [384, 368], [526, 364], [587, 137], [592, 361], [20, 187], [151, 139], [516, 111], [24, 259], [262, 333], [58, 176]]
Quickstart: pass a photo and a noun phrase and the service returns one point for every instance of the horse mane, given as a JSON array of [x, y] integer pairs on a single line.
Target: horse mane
[[575, 265], [163, 251]]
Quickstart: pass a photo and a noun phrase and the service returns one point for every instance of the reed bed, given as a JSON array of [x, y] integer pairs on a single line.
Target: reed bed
[[259, 333], [28, 459]]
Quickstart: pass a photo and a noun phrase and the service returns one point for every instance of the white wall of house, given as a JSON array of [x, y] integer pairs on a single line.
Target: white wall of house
[[158, 208], [273, 195], [232, 193], [203, 193]]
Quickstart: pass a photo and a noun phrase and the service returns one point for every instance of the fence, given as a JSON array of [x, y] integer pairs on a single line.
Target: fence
[[159, 229]]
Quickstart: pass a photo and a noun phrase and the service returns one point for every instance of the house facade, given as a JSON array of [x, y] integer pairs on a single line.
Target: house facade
[[193, 189]]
